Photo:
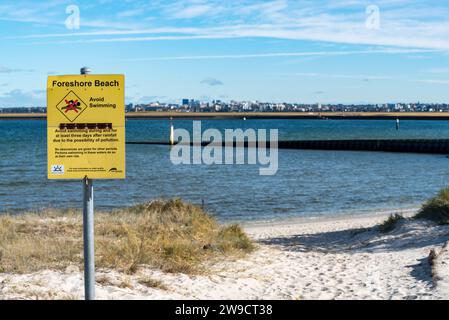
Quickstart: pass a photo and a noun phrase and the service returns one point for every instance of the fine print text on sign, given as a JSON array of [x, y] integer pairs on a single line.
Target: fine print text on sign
[[86, 127]]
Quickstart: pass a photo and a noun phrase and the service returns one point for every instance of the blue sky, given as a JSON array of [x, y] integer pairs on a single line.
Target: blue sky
[[307, 51]]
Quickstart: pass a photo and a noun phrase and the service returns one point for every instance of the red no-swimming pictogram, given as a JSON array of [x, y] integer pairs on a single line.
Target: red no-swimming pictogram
[[71, 102], [71, 105]]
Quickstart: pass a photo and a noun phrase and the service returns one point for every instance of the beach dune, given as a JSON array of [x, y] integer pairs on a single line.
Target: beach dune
[[331, 258]]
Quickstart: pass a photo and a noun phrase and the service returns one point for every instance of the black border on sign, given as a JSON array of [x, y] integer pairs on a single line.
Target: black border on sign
[[71, 91]]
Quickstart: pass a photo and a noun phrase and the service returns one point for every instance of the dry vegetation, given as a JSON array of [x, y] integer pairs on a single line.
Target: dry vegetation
[[170, 235]]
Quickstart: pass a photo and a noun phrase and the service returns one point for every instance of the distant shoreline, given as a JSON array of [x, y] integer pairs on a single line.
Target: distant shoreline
[[259, 115]]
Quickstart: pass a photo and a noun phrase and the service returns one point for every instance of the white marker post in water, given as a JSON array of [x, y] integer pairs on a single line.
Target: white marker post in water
[[172, 132]]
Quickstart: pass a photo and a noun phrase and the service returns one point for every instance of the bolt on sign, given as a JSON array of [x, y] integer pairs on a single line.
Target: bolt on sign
[[86, 126]]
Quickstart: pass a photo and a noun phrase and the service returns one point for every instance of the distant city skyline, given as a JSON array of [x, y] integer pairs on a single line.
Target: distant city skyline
[[323, 51], [191, 105]]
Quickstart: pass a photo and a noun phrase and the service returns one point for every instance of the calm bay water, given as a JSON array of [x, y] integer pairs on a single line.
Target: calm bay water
[[308, 183]]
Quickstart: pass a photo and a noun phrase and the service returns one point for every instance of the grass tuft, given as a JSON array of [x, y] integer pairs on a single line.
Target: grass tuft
[[172, 235], [103, 280], [436, 209], [125, 283], [234, 238], [152, 283], [390, 224]]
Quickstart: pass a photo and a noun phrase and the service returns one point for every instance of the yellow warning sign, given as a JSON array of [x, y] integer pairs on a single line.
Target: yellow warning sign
[[86, 127]]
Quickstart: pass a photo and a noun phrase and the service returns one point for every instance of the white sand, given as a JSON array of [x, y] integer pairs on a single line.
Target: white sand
[[297, 259]]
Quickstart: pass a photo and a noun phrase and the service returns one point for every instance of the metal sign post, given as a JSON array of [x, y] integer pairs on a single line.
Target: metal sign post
[[88, 232], [88, 236]]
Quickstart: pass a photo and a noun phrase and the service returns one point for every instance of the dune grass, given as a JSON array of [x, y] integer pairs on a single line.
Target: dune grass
[[436, 209], [391, 223], [172, 235]]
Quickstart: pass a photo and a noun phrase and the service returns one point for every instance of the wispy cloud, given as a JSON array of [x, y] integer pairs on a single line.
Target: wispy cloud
[[165, 30], [404, 23], [4, 69], [369, 77], [193, 11], [212, 82], [286, 54], [438, 70], [411, 38], [52, 13], [131, 13], [343, 76], [270, 10], [433, 81]]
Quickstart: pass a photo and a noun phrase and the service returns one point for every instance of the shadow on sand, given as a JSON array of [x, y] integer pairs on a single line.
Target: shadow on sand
[[408, 234]]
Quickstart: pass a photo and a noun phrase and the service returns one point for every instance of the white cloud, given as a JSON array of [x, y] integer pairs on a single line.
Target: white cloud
[[19, 98], [147, 99]]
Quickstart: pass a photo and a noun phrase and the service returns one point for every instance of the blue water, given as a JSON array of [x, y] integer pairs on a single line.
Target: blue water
[[156, 130], [308, 183]]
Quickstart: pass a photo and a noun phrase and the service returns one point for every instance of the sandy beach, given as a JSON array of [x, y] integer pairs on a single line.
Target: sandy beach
[[327, 258]]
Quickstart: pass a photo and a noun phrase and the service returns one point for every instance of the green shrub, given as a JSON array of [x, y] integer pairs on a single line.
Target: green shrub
[[390, 224], [436, 209]]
